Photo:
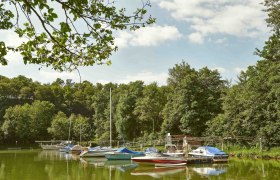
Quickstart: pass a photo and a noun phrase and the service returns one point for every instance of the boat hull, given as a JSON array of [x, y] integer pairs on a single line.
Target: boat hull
[[94, 153], [158, 160], [50, 147], [121, 156]]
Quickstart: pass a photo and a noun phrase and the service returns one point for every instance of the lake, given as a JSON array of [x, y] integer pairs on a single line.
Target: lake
[[38, 164]]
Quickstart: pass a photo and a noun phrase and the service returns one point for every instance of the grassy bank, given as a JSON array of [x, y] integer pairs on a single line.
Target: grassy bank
[[256, 153]]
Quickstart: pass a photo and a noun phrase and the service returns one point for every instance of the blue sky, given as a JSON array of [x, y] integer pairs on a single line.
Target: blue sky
[[219, 34]]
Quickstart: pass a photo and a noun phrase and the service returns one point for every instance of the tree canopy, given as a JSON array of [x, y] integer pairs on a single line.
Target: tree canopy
[[67, 34]]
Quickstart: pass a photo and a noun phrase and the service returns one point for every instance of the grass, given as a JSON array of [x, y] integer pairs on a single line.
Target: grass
[[253, 152]]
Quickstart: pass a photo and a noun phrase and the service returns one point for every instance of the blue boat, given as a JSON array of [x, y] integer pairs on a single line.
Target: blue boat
[[66, 148], [214, 153], [123, 154]]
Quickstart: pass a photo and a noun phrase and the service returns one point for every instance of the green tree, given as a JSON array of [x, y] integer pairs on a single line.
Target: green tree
[[127, 124], [80, 128], [148, 109], [16, 126], [251, 108], [271, 50], [194, 99], [28, 122], [70, 33], [41, 114], [101, 107], [60, 126]]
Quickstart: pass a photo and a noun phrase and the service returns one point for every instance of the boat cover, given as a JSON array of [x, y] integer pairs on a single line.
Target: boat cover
[[150, 150], [214, 150], [125, 150]]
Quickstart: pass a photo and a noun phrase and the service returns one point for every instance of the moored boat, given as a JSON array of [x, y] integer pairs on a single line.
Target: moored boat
[[158, 159], [209, 152], [50, 145], [66, 148], [76, 149], [123, 154], [97, 151]]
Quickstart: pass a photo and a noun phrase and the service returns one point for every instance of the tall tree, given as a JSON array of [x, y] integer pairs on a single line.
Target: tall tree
[[271, 50], [251, 108], [60, 126], [148, 109], [67, 34], [127, 124], [28, 122], [194, 99]]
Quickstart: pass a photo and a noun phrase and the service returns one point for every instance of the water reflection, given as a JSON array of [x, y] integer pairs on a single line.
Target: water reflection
[[158, 172], [26, 165], [103, 162], [209, 170], [56, 155], [96, 162]]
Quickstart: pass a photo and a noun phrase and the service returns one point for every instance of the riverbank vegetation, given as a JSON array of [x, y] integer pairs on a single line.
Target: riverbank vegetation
[[194, 102]]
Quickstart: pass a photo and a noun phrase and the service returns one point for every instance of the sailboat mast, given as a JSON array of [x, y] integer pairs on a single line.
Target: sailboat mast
[[110, 117], [69, 130]]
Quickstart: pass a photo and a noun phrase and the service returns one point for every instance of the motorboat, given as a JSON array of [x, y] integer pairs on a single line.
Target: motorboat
[[66, 148], [51, 145], [76, 149], [97, 151], [209, 152], [123, 154], [157, 158]]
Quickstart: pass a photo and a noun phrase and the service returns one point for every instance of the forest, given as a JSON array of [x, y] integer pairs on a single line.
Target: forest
[[196, 102]]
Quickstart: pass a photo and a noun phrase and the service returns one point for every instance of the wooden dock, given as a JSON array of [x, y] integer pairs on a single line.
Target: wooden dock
[[194, 160]]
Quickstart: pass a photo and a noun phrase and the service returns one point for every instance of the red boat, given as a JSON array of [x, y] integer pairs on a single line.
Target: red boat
[[159, 159]]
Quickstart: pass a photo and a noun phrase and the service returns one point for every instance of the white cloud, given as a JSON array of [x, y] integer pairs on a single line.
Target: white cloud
[[147, 36], [220, 69], [11, 39], [50, 76], [241, 18], [221, 41], [147, 77], [239, 69], [196, 38]]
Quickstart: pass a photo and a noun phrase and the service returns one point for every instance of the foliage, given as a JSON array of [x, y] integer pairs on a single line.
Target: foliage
[[27, 123], [60, 126], [127, 123], [251, 108], [148, 109], [67, 34], [194, 99], [271, 50]]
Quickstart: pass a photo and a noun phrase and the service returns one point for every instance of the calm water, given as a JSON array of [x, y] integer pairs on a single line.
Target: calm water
[[29, 165]]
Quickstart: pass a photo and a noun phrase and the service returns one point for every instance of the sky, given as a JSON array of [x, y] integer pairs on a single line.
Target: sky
[[218, 34]]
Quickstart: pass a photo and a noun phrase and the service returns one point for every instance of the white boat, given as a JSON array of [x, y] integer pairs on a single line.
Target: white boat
[[156, 158], [209, 152], [50, 146], [172, 149], [123, 154], [97, 151]]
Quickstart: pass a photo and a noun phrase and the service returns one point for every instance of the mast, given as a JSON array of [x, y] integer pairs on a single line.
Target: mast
[[69, 130], [110, 117]]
